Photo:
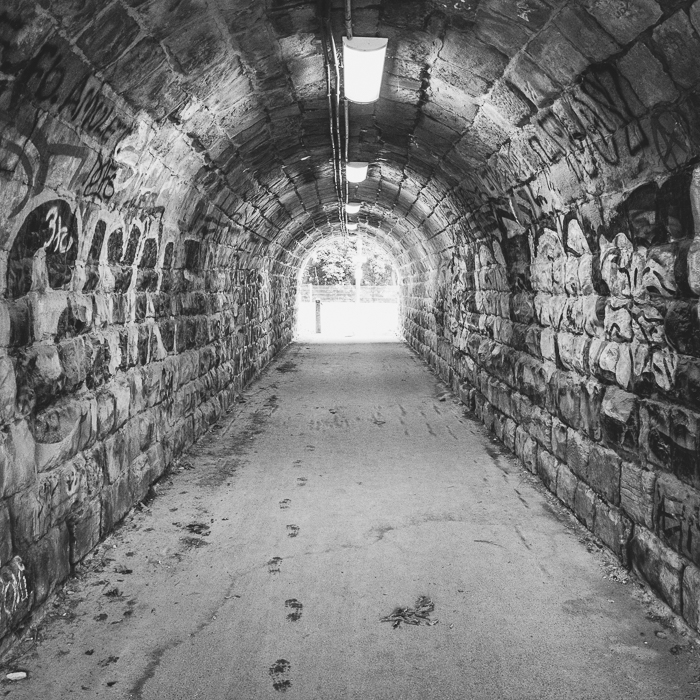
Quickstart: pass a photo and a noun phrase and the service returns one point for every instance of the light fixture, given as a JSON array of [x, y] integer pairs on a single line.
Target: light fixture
[[352, 226], [363, 61], [352, 207], [356, 171]]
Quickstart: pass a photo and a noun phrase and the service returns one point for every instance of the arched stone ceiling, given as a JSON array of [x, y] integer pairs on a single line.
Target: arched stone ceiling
[[238, 91]]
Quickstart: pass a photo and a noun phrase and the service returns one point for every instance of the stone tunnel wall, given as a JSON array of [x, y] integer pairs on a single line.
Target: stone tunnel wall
[[567, 314], [131, 313]]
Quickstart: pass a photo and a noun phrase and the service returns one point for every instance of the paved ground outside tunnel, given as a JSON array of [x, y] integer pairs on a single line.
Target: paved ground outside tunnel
[[350, 482]]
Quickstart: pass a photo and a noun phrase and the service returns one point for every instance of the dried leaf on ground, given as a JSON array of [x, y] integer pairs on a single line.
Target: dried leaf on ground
[[417, 615]]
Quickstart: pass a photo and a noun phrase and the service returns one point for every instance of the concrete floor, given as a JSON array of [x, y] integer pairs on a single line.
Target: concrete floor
[[348, 483]]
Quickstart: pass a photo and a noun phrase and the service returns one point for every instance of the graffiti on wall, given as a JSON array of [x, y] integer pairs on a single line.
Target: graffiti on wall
[[13, 591], [596, 123], [51, 230]]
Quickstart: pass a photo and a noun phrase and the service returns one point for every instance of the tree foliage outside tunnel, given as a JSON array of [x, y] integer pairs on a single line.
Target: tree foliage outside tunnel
[[334, 263]]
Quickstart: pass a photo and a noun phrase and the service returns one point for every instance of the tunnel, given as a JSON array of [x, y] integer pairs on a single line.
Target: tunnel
[[167, 166]]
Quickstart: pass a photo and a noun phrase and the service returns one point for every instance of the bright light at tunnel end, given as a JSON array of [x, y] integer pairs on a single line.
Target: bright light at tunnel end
[[363, 61], [356, 171]]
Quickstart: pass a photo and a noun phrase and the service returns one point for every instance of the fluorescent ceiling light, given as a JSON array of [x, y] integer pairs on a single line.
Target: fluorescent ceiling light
[[356, 171], [352, 226], [363, 67], [352, 207]]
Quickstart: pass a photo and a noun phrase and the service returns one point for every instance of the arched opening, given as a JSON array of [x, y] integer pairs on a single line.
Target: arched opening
[[348, 290]]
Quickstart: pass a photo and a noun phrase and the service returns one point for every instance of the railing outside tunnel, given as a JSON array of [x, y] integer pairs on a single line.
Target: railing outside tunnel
[[371, 317]]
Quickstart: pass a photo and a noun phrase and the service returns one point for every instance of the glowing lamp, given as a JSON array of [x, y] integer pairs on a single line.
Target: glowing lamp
[[352, 226], [352, 207], [363, 61], [356, 171]]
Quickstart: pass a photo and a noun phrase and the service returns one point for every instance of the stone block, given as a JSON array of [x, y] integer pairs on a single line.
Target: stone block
[[8, 390], [578, 448], [156, 461], [613, 528], [16, 595], [620, 420], [658, 565], [655, 433], [116, 456], [140, 478], [585, 33], [121, 391], [509, 431], [679, 43], [559, 439], [5, 534], [62, 430], [48, 563], [547, 468], [147, 430], [548, 345], [687, 381], [647, 76], [540, 427], [569, 399], [585, 504], [74, 362], [555, 54], [46, 312], [691, 596], [116, 500], [637, 486], [526, 449], [17, 463], [106, 414], [592, 393], [41, 374], [621, 20], [677, 516], [138, 400], [35, 510], [602, 473], [685, 445]]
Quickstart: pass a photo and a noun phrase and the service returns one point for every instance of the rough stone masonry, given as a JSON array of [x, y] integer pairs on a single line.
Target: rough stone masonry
[[166, 166]]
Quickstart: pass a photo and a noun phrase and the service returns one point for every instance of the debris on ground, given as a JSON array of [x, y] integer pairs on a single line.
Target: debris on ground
[[198, 528], [16, 676], [417, 615], [113, 593]]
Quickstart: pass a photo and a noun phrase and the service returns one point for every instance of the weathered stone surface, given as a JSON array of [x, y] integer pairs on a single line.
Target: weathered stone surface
[[8, 390], [547, 468], [602, 473], [585, 505], [585, 33], [613, 528], [657, 564], [567, 484], [620, 419], [637, 493], [647, 76], [48, 563], [5, 534], [691, 596], [16, 458], [680, 45], [677, 516], [621, 20]]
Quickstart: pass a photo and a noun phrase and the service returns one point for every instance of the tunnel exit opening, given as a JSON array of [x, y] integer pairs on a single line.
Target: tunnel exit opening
[[348, 291]]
